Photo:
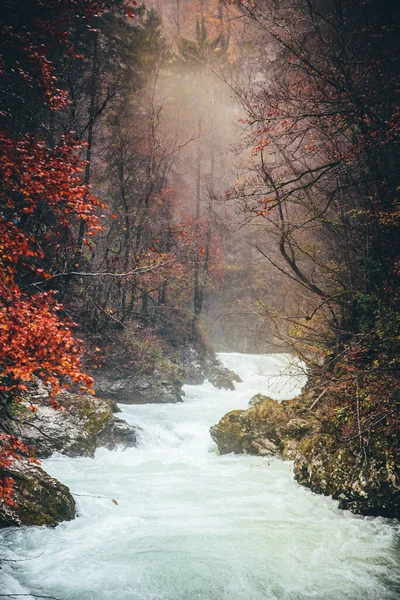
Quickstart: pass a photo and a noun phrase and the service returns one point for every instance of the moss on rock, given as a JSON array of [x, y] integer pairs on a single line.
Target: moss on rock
[[82, 424], [267, 428], [364, 480], [258, 399], [362, 477], [39, 499], [222, 378]]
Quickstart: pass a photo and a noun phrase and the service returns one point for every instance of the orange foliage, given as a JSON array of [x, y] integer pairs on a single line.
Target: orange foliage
[[35, 338], [11, 449]]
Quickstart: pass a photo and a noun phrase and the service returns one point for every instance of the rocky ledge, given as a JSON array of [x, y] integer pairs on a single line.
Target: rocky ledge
[[218, 375], [267, 428], [200, 366], [79, 426], [161, 385], [364, 480], [162, 380]]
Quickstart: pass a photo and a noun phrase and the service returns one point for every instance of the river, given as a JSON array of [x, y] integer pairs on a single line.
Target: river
[[192, 525]]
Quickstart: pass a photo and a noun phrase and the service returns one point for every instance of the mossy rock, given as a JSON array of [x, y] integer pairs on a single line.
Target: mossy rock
[[268, 428], [252, 431], [364, 481], [222, 381], [230, 434], [258, 399], [81, 425], [221, 377], [39, 499]]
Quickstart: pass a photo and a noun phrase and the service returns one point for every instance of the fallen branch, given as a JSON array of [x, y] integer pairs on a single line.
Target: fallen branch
[[92, 496], [21, 559], [29, 594], [319, 398]]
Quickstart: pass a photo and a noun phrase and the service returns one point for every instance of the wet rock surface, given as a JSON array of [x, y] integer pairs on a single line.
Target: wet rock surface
[[267, 428], [199, 367], [38, 498], [365, 480], [81, 424], [151, 388], [366, 483]]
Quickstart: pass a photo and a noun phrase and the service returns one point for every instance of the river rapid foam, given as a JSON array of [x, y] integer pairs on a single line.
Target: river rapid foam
[[192, 525]]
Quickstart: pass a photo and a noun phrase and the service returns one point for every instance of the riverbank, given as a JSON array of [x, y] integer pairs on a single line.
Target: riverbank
[[191, 523], [363, 478]]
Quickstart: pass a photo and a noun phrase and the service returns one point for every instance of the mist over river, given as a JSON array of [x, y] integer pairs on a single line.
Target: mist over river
[[193, 525]]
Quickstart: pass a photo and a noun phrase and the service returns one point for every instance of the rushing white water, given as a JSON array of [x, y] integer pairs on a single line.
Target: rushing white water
[[192, 525]]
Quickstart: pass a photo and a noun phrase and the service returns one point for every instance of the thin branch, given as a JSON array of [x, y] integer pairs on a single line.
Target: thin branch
[[137, 271], [372, 426], [29, 594], [91, 496], [21, 559], [319, 398]]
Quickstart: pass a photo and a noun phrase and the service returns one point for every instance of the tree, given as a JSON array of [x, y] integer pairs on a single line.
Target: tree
[[324, 132], [41, 187]]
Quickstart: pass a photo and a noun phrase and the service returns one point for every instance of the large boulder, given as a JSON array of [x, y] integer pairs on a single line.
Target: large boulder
[[38, 499], [268, 428]]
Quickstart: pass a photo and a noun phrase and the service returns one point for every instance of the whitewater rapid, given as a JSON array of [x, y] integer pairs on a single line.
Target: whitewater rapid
[[192, 525]]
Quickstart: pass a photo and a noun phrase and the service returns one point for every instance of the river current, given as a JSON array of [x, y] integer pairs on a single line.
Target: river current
[[192, 525]]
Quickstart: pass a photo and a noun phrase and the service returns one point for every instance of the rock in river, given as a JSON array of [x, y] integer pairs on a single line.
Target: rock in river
[[267, 428], [38, 499]]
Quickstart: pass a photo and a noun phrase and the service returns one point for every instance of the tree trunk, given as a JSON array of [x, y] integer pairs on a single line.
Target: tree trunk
[[197, 299], [92, 108]]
